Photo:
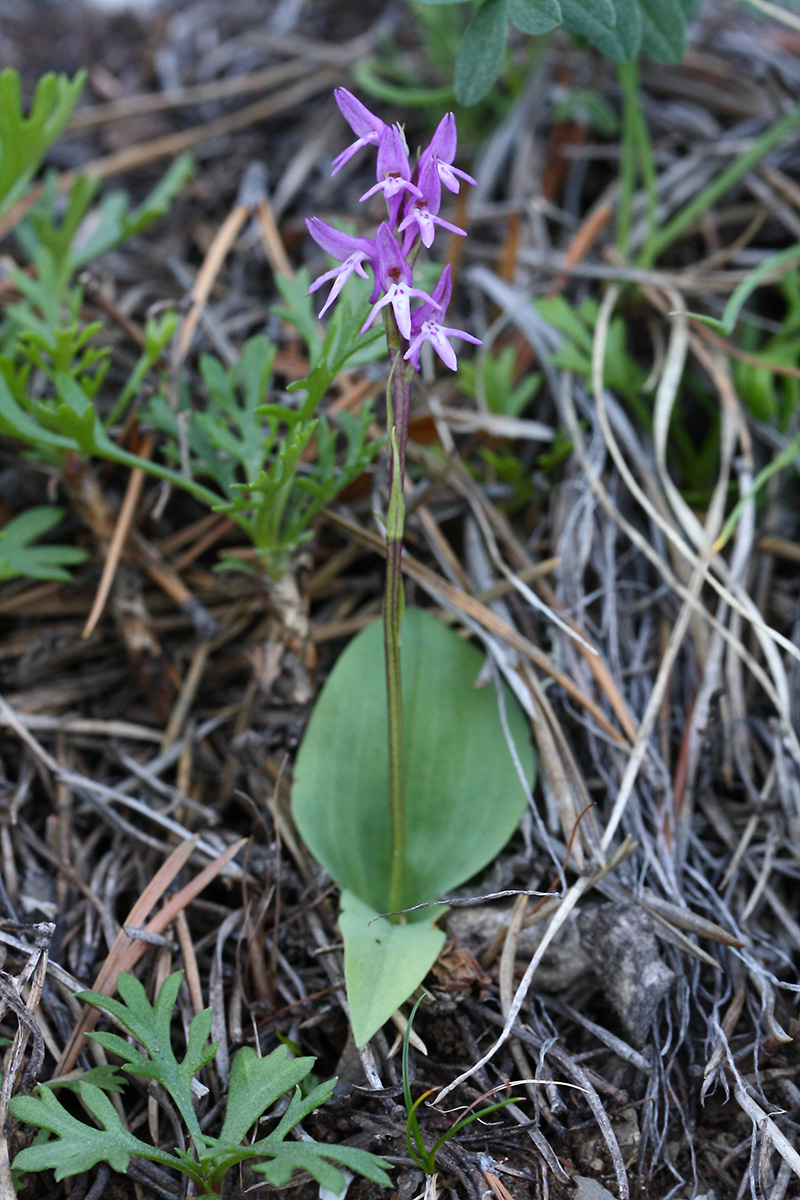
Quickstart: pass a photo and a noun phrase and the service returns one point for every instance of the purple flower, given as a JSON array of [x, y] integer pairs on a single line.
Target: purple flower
[[394, 275], [426, 328], [394, 171], [422, 212], [441, 151], [351, 252], [365, 124]]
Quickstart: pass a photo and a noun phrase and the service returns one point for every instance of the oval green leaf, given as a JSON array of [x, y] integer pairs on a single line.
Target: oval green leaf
[[534, 16], [463, 795], [481, 55]]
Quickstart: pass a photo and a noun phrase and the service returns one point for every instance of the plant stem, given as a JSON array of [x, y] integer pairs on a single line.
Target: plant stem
[[398, 403]]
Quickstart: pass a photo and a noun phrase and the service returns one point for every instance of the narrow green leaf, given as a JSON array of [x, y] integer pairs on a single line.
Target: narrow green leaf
[[534, 16], [481, 55]]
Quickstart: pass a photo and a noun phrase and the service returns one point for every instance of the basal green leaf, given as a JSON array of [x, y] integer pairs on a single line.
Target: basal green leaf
[[463, 797], [481, 55], [664, 29], [383, 962], [534, 16]]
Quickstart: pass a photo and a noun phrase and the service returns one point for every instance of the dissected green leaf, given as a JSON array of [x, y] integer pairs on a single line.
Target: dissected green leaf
[[24, 141], [463, 797], [19, 559], [534, 16], [151, 1025], [383, 962], [255, 1084], [115, 222], [481, 55], [77, 1147], [287, 1157]]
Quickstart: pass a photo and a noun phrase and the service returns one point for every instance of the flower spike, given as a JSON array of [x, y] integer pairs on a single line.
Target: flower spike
[[425, 326], [367, 127], [352, 253], [394, 275]]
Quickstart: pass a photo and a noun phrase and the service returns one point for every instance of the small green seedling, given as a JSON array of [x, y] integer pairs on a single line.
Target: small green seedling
[[20, 558], [422, 1156], [255, 1085]]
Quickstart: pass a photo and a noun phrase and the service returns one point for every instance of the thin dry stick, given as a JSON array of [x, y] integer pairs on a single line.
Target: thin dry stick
[[121, 530]]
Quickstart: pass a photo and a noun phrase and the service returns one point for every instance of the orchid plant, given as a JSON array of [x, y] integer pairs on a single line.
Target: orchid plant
[[429, 770]]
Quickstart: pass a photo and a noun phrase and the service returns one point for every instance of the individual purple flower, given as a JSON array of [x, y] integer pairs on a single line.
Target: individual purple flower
[[363, 123], [393, 171], [422, 212], [425, 326], [441, 151], [351, 252], [394, 275]]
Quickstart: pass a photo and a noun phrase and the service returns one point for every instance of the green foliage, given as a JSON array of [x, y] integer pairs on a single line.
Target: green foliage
[[424, 1158], [24, 141], [59, 243], [255, 1085], [774, 398], [463, 799], [590, 109], [506, 468], [253, 451], [490, 378], [621, 372], [19, 558], [620, 29]]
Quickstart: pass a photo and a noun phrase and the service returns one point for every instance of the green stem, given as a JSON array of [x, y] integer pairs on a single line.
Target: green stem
[[628, 77], [398, 403]]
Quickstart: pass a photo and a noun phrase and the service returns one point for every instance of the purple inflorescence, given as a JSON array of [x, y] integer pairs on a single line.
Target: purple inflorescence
[[413, 200]]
